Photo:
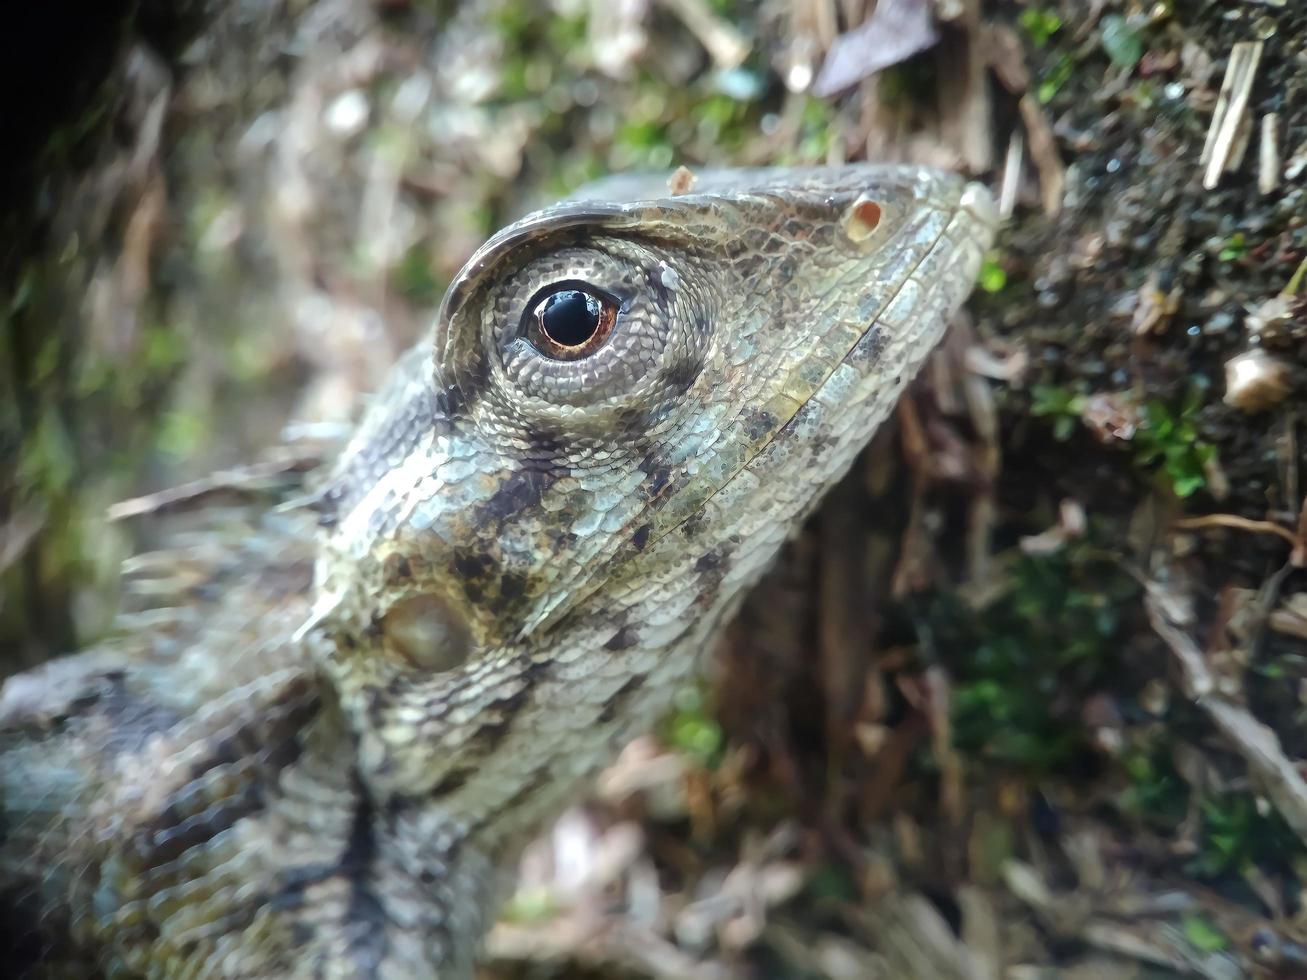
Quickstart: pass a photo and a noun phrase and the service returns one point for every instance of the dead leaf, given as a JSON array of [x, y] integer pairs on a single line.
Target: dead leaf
[[895, 31]]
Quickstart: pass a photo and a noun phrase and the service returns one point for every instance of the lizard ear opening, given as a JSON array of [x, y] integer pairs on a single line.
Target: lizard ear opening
[[426, 633]]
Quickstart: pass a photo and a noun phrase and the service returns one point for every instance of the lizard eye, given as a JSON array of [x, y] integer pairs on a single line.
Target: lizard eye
[[569, 320], [579, 334]]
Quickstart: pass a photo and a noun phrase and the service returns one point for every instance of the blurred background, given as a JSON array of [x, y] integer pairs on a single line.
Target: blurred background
[[954, 734]]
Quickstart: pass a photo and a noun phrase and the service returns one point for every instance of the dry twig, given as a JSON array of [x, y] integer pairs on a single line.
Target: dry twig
[[1221, 151], [1257, 744]]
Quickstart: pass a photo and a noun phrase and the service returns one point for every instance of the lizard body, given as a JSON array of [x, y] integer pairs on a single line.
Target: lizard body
[[311, 756]]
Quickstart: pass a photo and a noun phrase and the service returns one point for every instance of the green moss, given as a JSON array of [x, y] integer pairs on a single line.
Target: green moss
[[415, 279], [992, 277], [830, 883], [181, 433], [529, 905], [533, 38], [815, 129], [164, 349], [1023, 663], [692, 729], [909, 83], [23, 291], [1054, 77], [1062, 406], [1235, 247], [48, 460], [1237, 833], [1144, 95], [1039, 24], [644, 142], [1203, 935], [718, 119], [1156, 794], [47, 360], [1121, 42], [1169, 440]]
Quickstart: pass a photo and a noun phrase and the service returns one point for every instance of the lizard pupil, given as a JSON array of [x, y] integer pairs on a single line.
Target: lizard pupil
[[569, 321], [570, 317]]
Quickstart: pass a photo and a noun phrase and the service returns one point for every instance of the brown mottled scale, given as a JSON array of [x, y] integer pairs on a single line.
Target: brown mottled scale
[[326, 728]]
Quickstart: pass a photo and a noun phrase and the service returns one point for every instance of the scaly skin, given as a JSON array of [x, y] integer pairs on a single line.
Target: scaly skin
[[517, 559]]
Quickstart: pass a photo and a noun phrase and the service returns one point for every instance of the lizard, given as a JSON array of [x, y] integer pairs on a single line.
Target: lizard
[[315, 748]]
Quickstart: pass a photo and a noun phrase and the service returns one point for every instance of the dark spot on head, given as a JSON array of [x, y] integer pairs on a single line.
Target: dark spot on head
[[533, 671], [709, 561], [694, 525], [479, 574], [682, 373], [546, 451], [869, 349], [294, 882], [758, 424], [375, 704], [512, 585], [471, 565], [172, 833], [497, 720], [641, 537], [452, 780], [662, 295], [632, 421], [327, 505], [659, 473], [521, 490], [623, 639], [397, 569], [398, 806], [450, 402], [365, 918]]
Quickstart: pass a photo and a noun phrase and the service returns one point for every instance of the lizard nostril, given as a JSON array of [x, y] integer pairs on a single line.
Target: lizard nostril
[[862, 219]]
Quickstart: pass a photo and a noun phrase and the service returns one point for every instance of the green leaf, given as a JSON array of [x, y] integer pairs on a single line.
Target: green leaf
[[1039, 24], [992, 276], [1057, 76], [1186, 485], [1204, 936], [1236, 246], [1121, 42]]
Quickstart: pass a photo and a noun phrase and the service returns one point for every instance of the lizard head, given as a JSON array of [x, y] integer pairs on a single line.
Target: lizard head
[[630, 400]]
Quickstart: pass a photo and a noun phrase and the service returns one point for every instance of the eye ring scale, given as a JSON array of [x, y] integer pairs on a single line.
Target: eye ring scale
[[568, 321]]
